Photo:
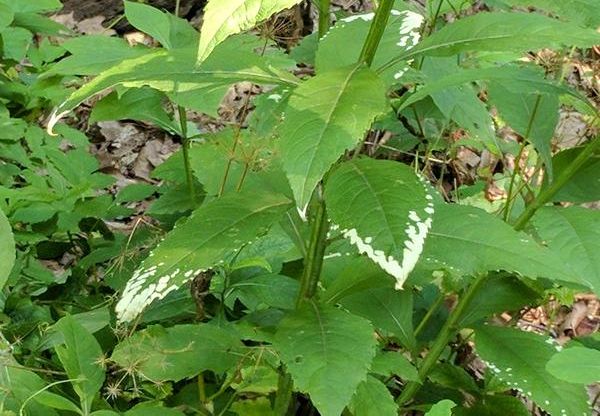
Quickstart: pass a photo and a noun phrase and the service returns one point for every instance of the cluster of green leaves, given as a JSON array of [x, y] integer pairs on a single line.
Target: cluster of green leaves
[[295, 273]]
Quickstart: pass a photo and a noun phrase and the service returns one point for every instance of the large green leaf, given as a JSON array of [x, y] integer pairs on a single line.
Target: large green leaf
[[372, 398], [384, 209], [328, 353], [388, 310], [175, 73], [533, 116], [223, 18], [7, 249], [461, 104], [443, 408], [576, 365], [519, 359], [580, 11], [81, 357], [214, 232], [470, 240], [510, 76], [584, 185], [501, 32], [170, 31], [326, 116], [338, 47], [178, 352], [573, 236]]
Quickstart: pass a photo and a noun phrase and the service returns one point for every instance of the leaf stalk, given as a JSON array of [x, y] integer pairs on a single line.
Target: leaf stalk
[[376, 32]]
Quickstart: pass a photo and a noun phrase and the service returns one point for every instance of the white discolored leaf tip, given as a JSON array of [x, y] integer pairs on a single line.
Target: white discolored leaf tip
[[302, 213], [55, 117]]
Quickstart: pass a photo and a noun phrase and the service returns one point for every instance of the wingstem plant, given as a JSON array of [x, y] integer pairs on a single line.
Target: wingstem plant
[[300, 261]]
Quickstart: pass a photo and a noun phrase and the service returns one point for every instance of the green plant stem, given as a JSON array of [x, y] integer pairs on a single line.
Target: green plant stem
[[517, 168], [177, 6], [324, 17], [546, 195], [316, 250], [284, 394], [185, 144], [376, 32], [430, 312], [441, 341]]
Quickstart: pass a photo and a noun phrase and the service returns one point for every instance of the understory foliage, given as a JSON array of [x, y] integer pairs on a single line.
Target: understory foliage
[[307, 258]]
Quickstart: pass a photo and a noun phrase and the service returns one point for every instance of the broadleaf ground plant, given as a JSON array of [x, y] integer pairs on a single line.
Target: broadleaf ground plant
[[323, 251]]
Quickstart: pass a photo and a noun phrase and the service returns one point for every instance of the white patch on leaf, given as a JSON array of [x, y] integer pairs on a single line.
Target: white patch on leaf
[[410, 35]]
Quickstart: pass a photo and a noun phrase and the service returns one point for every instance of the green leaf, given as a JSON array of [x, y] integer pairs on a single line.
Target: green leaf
[[502, 32], [178, 352], [584, 185], [472, 241], [35, 6], [515, 77], [461, 104], [170, 31], [81, 357], [326, 116], [576, 365], [510, 294], [532, 115], [372, 398], [328, 353], [7, 249], [519, 358], [93, 54], [387, 309], [272, 290], [214, 232], [143, 104], [584, 12], [338, 47], [573, 236], [223, 18], [16, 41], [384, 209], [6, 15], [443, 408], [91, 321], [498, 405], [56, 401], [393, 363], [152, 409], [175, 73]]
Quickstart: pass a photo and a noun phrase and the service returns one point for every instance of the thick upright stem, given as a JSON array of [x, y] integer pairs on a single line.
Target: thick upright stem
[[546, 195], [313, 261], [376, 31], [444, 336], [324, 17], [185, 144]]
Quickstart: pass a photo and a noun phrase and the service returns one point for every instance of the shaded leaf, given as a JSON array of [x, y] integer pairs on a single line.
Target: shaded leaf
[[7, 249], [328, 353], [576, 365], [372, 398]]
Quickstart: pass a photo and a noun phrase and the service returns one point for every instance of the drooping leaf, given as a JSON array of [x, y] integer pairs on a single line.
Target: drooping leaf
[[512, 76], [175, 73], [461, 104], [93, 54], [328, 353], [499, 31], [519, 358], [7, 249], [387, 309], [169, 30], [470, 240], [326, 116], [214, 232], [223, 18], [393, 363], [509, 292], [573, 236], [576, 365], [178, 352], [338, 47], [372, 398], [497, 405], [533, 116], [384, 209], [584, 12], [81, 357], [584, 185]]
